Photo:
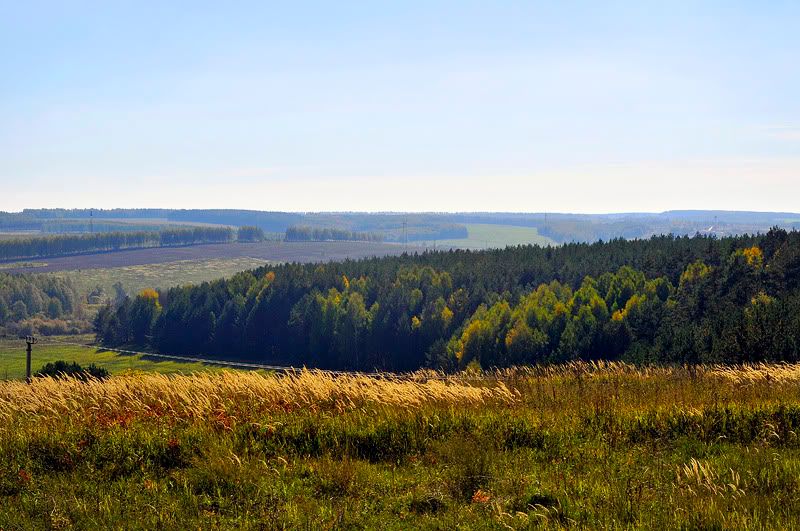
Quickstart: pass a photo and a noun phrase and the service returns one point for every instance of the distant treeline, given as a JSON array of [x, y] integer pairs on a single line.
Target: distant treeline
[[390, 226], [26, 296], [562, 228], [38, 219], [61, 245], [85, 213], [666, 299], [304, 234], [250, 234], [18, 222], [87, 226], [267, 221]]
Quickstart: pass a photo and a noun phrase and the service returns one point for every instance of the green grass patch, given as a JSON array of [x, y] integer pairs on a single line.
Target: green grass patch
[[488, 236], [12, 359], [14, 265], [151, 475]]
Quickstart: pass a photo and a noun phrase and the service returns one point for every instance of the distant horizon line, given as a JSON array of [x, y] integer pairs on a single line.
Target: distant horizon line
[[432, 212]]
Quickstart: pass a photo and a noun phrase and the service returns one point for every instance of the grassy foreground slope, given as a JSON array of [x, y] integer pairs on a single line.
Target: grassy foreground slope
[[591, 446]]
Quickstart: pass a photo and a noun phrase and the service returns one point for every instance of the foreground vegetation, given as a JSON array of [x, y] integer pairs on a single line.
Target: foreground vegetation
[[571, 446]]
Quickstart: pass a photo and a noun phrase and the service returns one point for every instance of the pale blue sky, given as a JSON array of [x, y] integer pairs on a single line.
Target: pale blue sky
[[444, 106]]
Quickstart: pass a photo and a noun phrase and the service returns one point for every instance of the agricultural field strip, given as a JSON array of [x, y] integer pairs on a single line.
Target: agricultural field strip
[[135, 278], [23, 261], [268, 251]]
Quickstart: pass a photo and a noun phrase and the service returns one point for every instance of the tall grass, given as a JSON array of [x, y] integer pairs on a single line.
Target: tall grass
[[593, 445], [245, 395]]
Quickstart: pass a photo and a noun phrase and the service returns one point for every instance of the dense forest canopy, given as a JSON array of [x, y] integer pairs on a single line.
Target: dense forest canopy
[[665, 299]]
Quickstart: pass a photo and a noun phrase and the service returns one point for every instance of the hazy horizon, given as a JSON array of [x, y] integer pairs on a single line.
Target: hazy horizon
[[432, 212]]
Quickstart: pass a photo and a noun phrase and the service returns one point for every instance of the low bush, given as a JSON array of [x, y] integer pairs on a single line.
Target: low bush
[[63, 369]]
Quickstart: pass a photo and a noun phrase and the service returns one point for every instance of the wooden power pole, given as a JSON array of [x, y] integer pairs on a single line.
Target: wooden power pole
[[30, 341]]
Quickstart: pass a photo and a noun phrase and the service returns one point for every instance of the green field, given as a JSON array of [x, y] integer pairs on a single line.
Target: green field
[[12, 358], [488, 236], [13, 265], [18, 235], [138, 277]]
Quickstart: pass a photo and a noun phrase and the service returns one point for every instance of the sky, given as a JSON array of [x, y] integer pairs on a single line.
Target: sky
[[401, 106]]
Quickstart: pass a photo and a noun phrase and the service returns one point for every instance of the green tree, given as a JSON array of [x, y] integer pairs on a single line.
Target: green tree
[[250, 233], [54, 308], [143, 313], [4, 312], [19, 311]]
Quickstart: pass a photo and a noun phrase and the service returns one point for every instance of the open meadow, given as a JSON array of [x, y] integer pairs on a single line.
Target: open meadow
[[579, 445], [491, 236], [12, 358]]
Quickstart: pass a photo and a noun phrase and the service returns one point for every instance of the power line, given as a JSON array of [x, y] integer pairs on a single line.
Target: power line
[[281, 368], [190, 359], [226, 363]]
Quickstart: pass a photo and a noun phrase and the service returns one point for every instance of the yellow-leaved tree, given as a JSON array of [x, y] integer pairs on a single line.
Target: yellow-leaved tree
[[143, 313]]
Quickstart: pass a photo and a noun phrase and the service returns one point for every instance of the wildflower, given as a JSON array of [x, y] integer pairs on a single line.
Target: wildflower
[[480, 496]]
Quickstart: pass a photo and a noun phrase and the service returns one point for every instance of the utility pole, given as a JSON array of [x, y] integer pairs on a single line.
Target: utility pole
[[405, 234], [91, 221], [30, 341]]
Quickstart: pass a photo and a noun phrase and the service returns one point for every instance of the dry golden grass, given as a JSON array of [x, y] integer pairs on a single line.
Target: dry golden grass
[[783, 373], [743, 373], [232, 394], [553, 393]]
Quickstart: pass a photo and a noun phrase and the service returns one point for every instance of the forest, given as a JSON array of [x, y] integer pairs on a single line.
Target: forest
[[44, 298], [300, 233], [666, 299], [62, 245]]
